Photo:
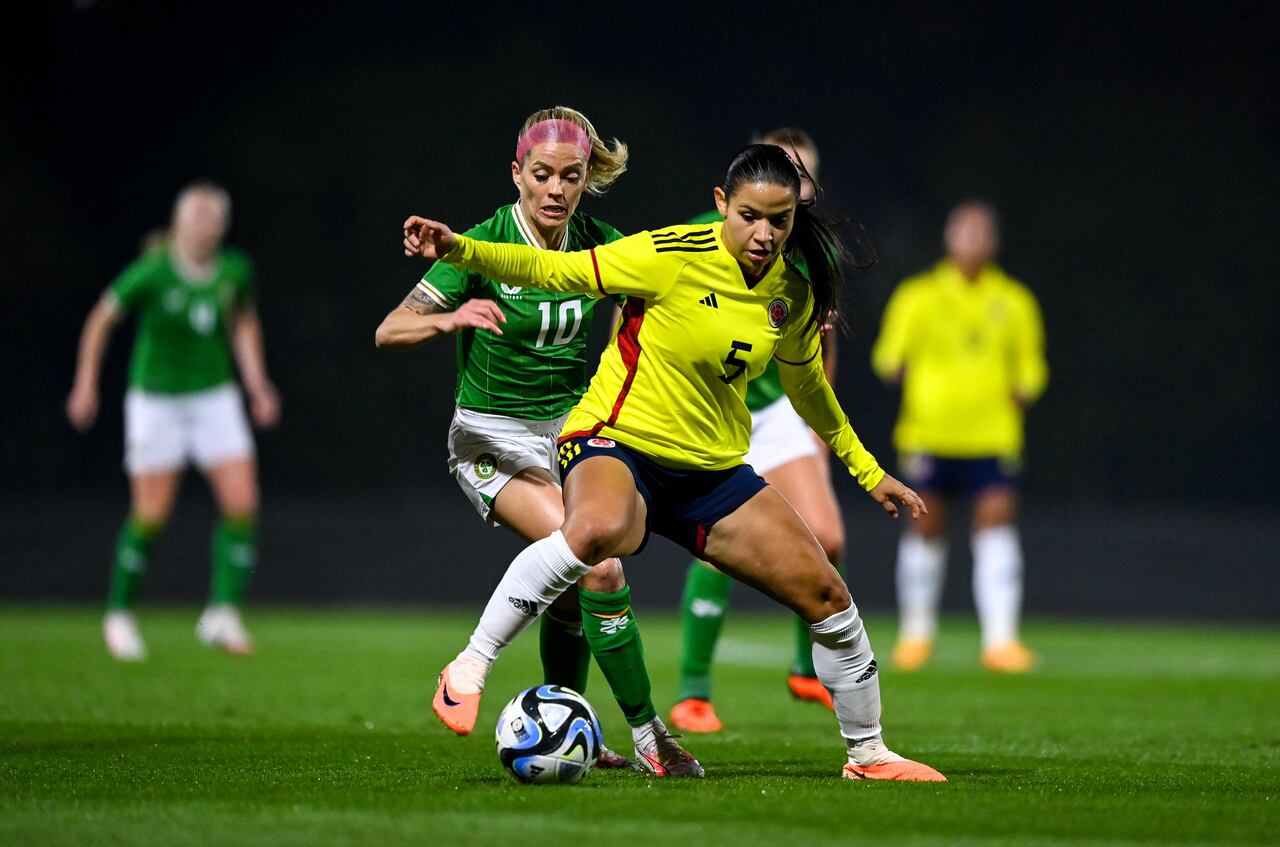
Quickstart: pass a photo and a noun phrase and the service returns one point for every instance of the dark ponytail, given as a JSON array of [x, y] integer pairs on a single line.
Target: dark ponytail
[[813, 236]]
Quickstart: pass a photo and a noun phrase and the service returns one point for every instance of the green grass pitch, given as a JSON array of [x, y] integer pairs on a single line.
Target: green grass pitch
[[1129, 734]]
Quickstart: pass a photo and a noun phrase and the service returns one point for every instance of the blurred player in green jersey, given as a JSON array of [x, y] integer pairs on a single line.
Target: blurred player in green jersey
[[521, 366], [195, 304], [966, 343], [794, 461]]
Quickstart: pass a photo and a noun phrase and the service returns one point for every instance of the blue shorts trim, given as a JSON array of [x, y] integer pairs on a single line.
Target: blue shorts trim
[[959, 477], [683, 504]]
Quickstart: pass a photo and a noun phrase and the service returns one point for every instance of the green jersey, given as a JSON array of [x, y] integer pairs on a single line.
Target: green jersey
[[766, 388], [537, 368], [182, 343]]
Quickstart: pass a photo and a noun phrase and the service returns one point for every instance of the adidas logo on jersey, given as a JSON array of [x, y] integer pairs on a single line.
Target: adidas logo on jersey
[[612, 626], [710, 300], [529, 607]]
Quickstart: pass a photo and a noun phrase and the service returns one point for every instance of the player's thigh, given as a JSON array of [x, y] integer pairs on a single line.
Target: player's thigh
[[218, 433], [530, 504], [235, 486], [765, 544], [153, 494], [995, 506], [604, 513], [802, 482]]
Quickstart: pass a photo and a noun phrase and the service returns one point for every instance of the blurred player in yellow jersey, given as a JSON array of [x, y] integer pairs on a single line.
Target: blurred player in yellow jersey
[[966, 343]]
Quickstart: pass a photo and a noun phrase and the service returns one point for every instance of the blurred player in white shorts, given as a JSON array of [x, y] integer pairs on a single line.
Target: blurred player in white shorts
[[195, 305]]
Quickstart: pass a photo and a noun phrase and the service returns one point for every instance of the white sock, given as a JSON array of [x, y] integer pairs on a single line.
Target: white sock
[[871, 751], [921, 567], [997, 582], [846, 666], [533, 580]]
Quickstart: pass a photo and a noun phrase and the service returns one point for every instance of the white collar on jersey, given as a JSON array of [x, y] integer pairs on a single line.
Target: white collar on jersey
[[526, 231]]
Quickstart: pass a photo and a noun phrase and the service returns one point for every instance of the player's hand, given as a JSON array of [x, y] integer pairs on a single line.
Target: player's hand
[[890, 489], [82, 407], [264, 405], [475, 314], [428, 239]]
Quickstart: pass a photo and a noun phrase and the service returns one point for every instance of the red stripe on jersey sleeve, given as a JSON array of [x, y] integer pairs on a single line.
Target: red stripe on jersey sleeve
[[629, 347], [595, 266]]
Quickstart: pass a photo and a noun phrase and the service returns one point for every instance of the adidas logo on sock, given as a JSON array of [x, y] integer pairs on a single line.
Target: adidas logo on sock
[[710, 300], [870, 672], [529, 607]]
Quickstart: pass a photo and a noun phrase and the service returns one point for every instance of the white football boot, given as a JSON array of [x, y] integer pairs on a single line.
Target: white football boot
[[124, 641], [221, 627], [658, 752]]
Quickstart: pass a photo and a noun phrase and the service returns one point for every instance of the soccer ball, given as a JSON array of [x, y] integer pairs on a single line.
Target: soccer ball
[[548, 734]]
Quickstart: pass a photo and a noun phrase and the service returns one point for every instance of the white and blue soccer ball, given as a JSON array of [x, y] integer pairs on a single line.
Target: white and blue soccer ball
[[549, 734]]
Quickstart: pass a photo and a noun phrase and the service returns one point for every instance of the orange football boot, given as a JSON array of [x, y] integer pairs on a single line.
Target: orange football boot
[[695, 715], [1009, 657], [456, 710], [911, 654], [809, 688], [903, 770]]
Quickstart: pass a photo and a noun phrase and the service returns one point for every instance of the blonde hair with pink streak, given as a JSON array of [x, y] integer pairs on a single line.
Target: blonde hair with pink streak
[[605, 164]]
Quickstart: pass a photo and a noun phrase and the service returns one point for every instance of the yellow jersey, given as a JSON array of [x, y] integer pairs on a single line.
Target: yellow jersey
[[970, 354], [694, 331]]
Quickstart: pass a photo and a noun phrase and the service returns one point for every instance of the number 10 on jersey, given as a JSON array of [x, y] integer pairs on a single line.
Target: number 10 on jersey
[[570, 320]]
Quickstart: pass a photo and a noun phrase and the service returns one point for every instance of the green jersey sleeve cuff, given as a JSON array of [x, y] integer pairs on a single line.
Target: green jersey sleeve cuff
[[440, 298]]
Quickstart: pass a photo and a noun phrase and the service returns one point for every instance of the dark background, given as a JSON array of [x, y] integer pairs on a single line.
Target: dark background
[[1132, 150]]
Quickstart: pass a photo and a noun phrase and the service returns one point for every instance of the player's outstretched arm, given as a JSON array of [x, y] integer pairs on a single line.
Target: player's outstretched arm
[[513, 264], [82, 403], [420, 319], [427, 238], [250, 353]]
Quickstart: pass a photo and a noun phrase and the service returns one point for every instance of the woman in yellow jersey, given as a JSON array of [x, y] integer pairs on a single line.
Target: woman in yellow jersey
[[967, 345], [794, 461], [658, 441]]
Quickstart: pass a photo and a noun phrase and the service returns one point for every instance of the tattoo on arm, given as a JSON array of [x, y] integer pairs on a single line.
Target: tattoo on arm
[[419, 302]]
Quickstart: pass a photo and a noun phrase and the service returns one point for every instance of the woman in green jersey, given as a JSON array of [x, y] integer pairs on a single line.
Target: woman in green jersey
[[521, 360], [793, 460], [195, 305]]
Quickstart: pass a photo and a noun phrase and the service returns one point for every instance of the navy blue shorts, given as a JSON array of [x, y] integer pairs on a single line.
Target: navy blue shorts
[[683, 505], [959, 477]]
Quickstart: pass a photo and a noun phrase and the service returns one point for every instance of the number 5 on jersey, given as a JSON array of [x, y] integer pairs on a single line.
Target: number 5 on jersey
[[733, 365]]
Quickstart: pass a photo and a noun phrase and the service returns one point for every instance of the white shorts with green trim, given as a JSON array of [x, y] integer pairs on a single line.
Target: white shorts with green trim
[[486, 451], [778, 435], [167, 432]]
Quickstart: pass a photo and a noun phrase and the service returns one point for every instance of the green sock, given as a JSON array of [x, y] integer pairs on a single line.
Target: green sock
[[566, 656], [706, 599], [234, 553], [614, 636], [802, 665], [133, 554]]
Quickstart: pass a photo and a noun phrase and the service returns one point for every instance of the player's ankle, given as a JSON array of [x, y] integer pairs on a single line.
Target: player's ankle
[[467, 673], [870, 751]]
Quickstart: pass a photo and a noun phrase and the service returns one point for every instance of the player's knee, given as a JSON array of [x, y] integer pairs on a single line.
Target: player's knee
[[593, 537], [826, 599], [831, 538], [994, 508], [605, 578]]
